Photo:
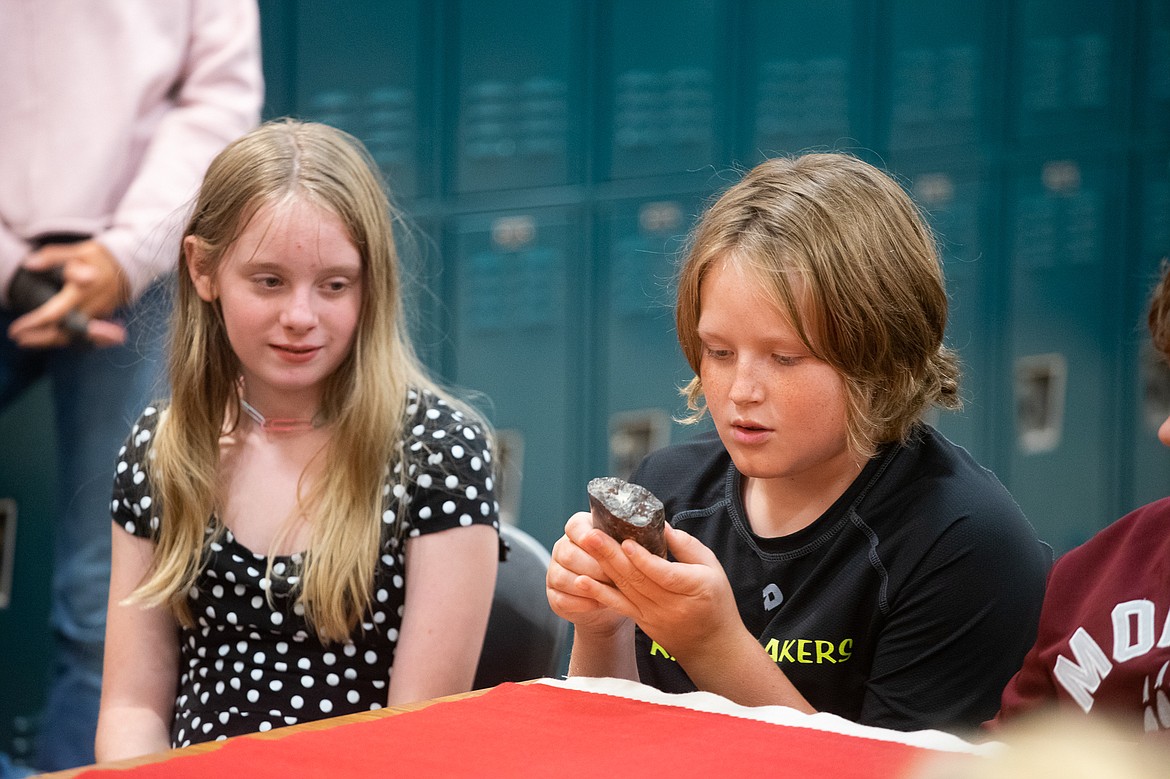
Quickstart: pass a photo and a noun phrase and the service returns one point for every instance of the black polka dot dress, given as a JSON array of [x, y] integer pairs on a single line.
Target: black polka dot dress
[[251, 663]]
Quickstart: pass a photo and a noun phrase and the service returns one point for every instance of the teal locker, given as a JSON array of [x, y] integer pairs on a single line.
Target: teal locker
[[515, 314], [515, 84], [359, 67], [805, 77], [28, 477], [1066, 278], [1069, 70], [278, 44], [938, 73], [955, 198], [642, 365], [660, 102], [1146, 371], [1153, 70]]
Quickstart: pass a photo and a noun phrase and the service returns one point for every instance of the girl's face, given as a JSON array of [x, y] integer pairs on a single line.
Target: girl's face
[[290, 289], [780, 412]]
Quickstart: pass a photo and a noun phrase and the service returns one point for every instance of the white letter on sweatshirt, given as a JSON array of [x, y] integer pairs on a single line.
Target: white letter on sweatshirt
[[1082, 678]]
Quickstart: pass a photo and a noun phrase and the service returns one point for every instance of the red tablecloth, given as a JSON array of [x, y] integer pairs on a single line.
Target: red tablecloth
[[543, 731]]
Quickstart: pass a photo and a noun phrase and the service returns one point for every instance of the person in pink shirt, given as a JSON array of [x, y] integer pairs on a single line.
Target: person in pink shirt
[[111, 114], [1103, 646]]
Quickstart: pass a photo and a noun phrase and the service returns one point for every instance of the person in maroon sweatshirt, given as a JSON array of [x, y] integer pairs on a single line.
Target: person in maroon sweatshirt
[[1103, 646]]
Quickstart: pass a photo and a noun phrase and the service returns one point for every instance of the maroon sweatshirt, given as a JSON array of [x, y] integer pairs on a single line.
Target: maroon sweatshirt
[[1103, 645]]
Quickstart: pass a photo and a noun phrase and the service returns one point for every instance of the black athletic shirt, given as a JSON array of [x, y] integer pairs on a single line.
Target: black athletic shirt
[[908, 604]]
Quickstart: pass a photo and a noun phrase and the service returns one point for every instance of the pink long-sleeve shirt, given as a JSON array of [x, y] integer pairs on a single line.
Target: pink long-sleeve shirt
[[109, 115]]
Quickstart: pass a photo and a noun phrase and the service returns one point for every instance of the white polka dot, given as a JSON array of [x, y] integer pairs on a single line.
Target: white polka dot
[[349, 650], [425, 481], [277, 618], [439, 434], [329, 658], [352, 696], [332, 680], [326, 706], [253, 696], [449, 507], [465, 520], [296, 702], [265, 726], [424, 512], [476, 463], [471, 492], [371, 656], [451, 482], [275, 685], [456, 451], [307, 681]]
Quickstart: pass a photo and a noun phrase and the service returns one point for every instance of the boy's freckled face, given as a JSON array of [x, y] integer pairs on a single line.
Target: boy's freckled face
[[780, 412]]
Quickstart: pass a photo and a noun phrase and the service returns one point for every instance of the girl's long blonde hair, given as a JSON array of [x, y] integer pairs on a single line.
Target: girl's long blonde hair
[[364, 400]]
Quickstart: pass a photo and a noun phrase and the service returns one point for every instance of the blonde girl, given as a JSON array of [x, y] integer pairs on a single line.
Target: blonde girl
[[308, 527]]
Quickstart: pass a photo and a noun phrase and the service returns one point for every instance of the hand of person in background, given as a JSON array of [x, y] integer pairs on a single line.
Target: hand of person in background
[[95, 286]]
